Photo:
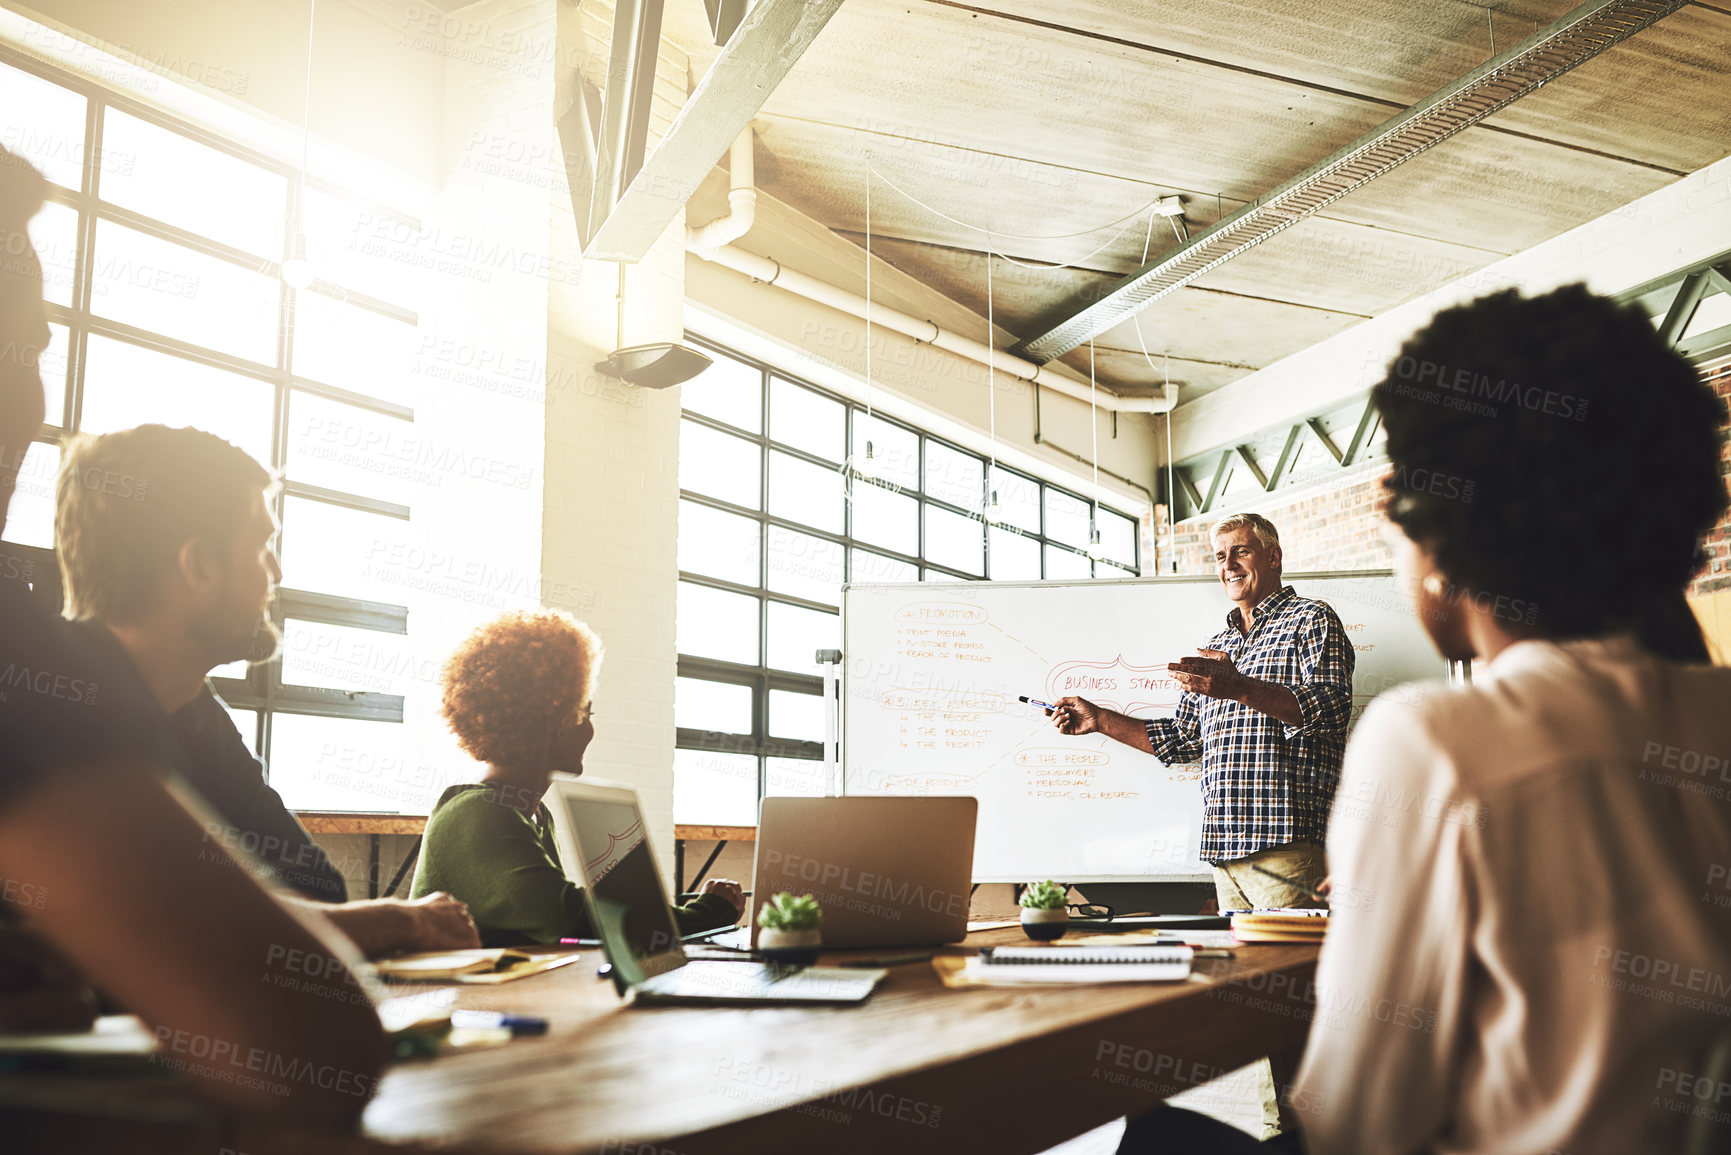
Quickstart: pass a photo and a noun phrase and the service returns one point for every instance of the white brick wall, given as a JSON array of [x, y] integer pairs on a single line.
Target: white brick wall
[[610, 527]]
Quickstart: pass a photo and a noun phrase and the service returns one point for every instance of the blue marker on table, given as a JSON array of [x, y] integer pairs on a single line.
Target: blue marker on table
[[493, 1020], [1035, 702]]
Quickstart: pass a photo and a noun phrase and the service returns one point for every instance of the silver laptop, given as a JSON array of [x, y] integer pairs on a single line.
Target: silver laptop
[[600, 829], [886, 871]]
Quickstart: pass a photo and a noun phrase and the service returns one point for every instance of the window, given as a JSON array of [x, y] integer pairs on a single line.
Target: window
[[160, 268], [770, 528]]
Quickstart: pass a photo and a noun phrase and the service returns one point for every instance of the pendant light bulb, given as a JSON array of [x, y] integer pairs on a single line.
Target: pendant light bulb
[[297, 271], [866, 467]]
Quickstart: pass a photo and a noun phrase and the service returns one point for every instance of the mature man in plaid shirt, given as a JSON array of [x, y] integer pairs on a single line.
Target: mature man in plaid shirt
[[1265, 707]]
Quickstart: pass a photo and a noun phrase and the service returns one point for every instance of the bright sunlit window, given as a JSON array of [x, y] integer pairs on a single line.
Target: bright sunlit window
[[761, 578], [160, 268]]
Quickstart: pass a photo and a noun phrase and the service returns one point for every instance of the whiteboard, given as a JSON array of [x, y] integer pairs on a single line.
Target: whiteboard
[[931, 674]]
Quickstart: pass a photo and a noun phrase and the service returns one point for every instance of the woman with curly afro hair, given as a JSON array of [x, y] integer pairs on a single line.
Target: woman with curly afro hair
[[519, 695], [1529, 947]]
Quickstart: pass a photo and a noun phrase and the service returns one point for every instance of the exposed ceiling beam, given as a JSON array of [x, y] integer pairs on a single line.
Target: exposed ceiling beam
[[724, 17], [1683, 306], [1366, 425], [624, 128], [1326, 441], [1288, 453], [1221, 469], [1217, 466], [761, 51], [1541, 57], [1250, 464]]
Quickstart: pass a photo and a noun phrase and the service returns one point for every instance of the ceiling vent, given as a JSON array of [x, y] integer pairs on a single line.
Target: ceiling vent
[[1541, 57]]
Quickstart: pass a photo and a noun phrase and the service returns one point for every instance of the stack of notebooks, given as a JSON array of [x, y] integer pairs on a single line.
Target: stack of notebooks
[[1042, 966], [1280, 924]]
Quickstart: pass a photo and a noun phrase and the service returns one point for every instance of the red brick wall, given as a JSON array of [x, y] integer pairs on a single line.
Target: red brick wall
[[1717, 575], [1340, 530], [1337, 530]]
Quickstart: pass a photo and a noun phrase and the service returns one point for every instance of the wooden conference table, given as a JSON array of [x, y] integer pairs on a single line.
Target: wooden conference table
[[917, 1068]]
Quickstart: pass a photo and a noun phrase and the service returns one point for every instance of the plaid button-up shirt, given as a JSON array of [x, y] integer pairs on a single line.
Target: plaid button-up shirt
[[1265, 783]]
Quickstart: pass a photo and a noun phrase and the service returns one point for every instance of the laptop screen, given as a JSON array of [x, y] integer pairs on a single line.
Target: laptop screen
[[626, 898]]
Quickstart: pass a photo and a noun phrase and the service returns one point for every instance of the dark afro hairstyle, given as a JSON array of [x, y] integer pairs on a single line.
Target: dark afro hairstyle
[[1554, 450]]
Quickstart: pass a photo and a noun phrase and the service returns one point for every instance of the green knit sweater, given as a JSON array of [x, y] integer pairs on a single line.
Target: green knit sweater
[[505, 865]]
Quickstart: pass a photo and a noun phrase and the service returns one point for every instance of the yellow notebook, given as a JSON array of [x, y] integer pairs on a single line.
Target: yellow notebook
[[1280, 925], [494, 965]]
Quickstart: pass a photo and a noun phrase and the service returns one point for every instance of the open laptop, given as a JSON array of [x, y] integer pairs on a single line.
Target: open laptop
[[601, 831], [887, 871]]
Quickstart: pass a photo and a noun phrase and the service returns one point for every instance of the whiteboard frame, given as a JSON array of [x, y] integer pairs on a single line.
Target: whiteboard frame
[[1449, 668]]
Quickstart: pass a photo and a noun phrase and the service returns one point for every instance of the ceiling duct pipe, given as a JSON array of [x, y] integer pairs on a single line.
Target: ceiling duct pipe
[[1541, 57], [741, 200], [712, 243], [773, 272]]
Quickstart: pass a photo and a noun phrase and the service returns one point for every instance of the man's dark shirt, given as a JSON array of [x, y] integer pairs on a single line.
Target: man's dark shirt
[[66, 703], [215, 762], [220, 767]]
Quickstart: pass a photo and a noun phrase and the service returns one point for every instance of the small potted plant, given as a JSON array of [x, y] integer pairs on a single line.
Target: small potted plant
[[1045, 911], [787, 929]]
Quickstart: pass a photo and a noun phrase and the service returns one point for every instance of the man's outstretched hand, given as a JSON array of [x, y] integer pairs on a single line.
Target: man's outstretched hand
[[441, 922], [1075, 716], [728, 891], [1080, 716], [1212, 675]]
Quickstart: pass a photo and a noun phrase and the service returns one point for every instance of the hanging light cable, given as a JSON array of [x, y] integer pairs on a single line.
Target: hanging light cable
[[992, 510], [1171, 493], [868, 467], [297, 271], [1094, 549]]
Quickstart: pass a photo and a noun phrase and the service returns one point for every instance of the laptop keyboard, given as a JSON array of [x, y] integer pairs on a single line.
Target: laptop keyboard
[[728, 980]]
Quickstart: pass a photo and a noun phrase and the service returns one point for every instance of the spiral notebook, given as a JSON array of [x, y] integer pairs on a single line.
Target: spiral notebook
[[1065, 966]]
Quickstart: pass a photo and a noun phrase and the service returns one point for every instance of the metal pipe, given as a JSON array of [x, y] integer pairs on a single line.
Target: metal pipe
[[712, 242], [1074, 456], [741, 200], [1545, 55], [772, 272]]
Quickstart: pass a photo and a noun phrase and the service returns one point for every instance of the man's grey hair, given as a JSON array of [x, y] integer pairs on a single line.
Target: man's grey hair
[[1260, 527]]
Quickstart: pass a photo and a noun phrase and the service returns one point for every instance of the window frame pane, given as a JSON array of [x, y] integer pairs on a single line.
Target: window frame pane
[[189, 245], [776, 755]]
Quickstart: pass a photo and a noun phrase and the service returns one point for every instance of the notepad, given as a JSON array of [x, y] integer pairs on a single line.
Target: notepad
[[1046, 966], [1280, 924], [496, 965], [114, 1045]]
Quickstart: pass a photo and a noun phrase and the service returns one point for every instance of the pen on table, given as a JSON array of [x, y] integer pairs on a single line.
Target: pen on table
[[1035, 702], [1310, 890], [495, 1020]]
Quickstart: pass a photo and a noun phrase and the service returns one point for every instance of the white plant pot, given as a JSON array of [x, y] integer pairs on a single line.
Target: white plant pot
[[788, 940], [1045, 925]]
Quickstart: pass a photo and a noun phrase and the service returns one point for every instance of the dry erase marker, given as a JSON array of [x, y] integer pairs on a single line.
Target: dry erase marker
[[494, 1021], [1035, 702]]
